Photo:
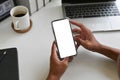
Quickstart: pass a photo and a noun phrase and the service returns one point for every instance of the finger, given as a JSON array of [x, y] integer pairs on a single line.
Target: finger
[[78, 43], [70, 58], [82, 36], [76, 30], [76, 38], [84, 30], [53, 52], [80, 25], [83, 42]]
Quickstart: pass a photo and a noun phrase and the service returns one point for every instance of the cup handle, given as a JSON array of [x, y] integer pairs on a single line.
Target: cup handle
[[17, 26]]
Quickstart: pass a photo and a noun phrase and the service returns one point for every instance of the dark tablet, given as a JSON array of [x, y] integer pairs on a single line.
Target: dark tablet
[[9, 64]]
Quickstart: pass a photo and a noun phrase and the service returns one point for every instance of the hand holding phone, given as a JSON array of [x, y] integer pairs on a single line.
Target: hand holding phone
[[64, 38]]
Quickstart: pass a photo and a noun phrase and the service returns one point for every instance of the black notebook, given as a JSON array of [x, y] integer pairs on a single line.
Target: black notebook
[[9, 64]]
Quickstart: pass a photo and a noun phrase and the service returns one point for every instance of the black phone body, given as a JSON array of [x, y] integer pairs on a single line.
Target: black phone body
[[64, 38]]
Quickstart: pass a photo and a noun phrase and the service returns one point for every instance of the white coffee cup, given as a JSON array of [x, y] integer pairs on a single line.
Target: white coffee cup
[[20, 17]]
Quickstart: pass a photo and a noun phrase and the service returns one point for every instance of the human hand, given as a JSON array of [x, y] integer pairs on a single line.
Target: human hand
[[85, 37], [118, 64], [57, 67]]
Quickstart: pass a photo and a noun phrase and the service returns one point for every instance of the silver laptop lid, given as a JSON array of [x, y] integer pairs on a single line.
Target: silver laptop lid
[[84, 1]]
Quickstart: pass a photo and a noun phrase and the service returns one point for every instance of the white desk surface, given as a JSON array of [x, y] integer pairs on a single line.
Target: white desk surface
[[34, 48]]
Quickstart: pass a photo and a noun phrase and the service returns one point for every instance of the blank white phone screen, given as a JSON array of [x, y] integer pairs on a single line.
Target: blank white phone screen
[[64, 38]]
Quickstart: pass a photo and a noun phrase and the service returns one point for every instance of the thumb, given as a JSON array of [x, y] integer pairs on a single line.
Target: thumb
[[65, 60]]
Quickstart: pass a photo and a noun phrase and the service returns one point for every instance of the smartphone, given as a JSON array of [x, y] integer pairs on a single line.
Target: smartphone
[[64, 38]]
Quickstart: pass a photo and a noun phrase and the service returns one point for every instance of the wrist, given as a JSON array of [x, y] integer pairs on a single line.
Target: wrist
[[98, 48], [52, 77]]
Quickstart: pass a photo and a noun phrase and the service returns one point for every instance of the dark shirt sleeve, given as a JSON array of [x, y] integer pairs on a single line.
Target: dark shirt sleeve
[[118, 63]]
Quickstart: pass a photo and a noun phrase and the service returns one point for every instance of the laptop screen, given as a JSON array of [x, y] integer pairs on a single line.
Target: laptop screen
[[84, 1]]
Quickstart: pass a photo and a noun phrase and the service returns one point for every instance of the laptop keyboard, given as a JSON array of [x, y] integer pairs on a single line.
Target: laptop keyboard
[[96, 10]]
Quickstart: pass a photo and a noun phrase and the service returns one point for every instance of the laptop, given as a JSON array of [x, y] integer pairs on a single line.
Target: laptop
[[97, 15]]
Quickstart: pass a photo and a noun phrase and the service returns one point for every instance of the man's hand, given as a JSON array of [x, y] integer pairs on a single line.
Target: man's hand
[[85, 37], [88, 41], [118, 63], [57, 67]]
